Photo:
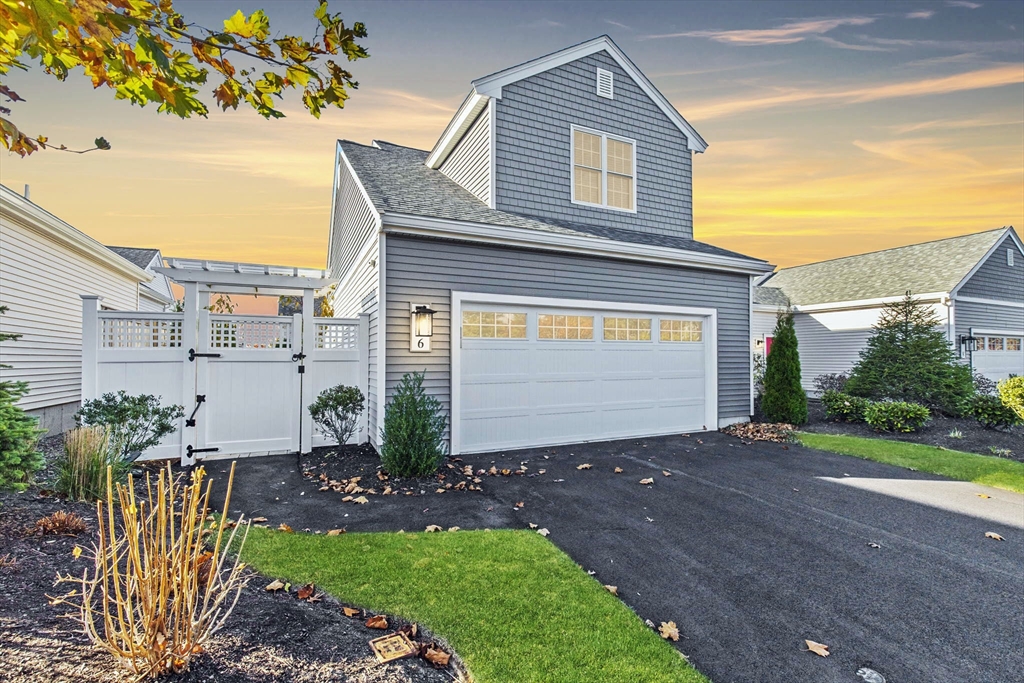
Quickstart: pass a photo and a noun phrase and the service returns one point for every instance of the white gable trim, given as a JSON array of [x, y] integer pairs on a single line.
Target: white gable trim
[[491, 86], [929, 297], [537, 239], [980, 263], [457, 127]]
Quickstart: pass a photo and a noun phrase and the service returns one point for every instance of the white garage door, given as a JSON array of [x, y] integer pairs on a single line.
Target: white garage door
[[534, 372], [997, 356]]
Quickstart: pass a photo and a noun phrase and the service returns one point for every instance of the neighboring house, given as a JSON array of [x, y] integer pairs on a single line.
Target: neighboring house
[[550, 230], [45, 264], [155, 295], [973, 283]]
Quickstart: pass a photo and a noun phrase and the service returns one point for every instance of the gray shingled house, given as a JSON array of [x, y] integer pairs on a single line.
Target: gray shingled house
[[155, 295], [974, 284], [539, 263]]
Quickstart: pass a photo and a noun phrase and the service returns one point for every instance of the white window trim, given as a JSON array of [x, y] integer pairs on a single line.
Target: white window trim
[[604, 168], [710, 316]]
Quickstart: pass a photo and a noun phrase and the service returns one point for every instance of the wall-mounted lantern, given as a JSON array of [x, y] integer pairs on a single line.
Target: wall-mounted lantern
[[967, 342], [421, 327]]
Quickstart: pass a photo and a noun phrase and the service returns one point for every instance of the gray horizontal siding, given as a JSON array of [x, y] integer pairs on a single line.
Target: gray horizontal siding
[[968, 314], [469, 164], [995, 279], [824, 351], [351, 225], [426, 271], [763, 324], [533, 173]]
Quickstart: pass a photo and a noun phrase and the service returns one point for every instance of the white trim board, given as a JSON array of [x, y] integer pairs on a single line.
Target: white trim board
[[604, 168], [989, 302], [710, 316], [537, 239], [930, 297], [491, 85], [456, 128]]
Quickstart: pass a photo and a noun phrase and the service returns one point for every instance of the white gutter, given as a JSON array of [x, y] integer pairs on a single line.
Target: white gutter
[[591, 246], [867, 303]]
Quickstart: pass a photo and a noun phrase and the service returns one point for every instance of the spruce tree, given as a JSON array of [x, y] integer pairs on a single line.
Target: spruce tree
[[19, 458], [784, 399], [908, 358]]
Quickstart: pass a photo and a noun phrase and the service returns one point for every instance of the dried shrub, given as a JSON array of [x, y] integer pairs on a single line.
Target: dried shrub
[[157, 592], [761, 431], [60, 523], [82, 470]]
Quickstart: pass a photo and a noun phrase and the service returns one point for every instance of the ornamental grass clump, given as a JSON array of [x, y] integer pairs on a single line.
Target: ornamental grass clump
[[82, 469], [161, 583]]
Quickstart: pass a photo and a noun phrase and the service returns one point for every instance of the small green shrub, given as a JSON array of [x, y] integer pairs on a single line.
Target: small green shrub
[[336, 412], [840, 406], [831, 381], [1011, 393], [135, 422], [19, 458], [784, 399], [896, 416], [82, 469], [412, 440], [990, 412]]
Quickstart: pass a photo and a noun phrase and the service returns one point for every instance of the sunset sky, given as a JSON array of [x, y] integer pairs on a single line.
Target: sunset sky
[[834, 127]]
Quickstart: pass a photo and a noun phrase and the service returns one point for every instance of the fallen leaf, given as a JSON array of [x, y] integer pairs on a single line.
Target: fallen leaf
[[453, 528], [669, 630], [274, 585], [285, 528], [584, 466], [258, 519], [543, 532], [346, 499], [506, 472], [647, 481], [351, 611], [994, 536], [76, 553], [362, 500], [666, 473], [984, 495], [618, 470], [437, 657], [432, 528], [874, 545], [493, 471], [817, 648], [379, 621], [335, 532], [409, 629], [532, 525], [520, 504], [307, 591], [614, 590]]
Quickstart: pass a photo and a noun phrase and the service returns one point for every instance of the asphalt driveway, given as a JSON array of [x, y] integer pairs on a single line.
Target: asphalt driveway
[[750, 549]]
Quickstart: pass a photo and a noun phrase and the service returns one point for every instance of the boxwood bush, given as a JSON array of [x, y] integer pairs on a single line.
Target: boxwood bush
[[896, 416], [840, 406], [336, 412], [991, 412]]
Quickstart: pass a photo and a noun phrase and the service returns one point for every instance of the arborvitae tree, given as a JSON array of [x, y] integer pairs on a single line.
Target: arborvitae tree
[[784, 399], [19, 459], [412, 440], [908, 358]]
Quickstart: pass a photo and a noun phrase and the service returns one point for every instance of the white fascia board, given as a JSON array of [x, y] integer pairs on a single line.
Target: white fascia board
[[457, 127], [989, 302], [33, 217], [150, 293], [1016, 240], [930, 297], [359, 184], [592, 246], [492, 85]]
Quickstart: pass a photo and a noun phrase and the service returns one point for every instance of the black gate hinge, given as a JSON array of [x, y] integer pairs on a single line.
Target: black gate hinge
[[192, 451], [191, 421], [192, 355]]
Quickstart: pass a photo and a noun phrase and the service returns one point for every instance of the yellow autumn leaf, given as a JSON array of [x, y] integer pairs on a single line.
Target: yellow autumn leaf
[[76, 553]]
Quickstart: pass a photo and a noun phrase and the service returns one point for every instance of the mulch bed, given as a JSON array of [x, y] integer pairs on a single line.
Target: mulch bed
[[975, 438], [270, 636]]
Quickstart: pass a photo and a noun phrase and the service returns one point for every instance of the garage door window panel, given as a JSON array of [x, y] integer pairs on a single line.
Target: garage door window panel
[[627, 329], [995, 343], [1013, 343], [493, 325], [681, 330], [567, 327]]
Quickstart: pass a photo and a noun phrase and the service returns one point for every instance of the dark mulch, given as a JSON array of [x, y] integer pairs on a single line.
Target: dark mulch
[[269, 636], [975, 438]]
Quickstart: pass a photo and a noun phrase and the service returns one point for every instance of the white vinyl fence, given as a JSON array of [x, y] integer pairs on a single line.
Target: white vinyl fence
[[245, 381]]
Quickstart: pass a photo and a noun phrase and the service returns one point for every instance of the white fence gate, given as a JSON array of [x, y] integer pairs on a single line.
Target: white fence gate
[[245, 381]]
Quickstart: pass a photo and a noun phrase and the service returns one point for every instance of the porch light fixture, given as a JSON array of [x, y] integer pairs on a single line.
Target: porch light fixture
[[421, 327]]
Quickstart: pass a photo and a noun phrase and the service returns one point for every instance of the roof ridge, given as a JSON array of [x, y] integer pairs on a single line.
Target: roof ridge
[[904, 246], [395, 144]]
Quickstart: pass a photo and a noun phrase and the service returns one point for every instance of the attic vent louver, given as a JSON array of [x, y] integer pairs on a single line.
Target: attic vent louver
[[605, 84]]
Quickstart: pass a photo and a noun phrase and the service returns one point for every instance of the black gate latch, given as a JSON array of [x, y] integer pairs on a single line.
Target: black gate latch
[[192, 355], [191, 421], [192, 451], [298, 356]]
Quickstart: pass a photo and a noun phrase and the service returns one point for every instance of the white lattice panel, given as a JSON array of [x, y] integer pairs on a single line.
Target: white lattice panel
[[243, 333], [139, 333], [337, 336]]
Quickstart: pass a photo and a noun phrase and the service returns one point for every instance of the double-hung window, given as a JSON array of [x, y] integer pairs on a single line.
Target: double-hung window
[[603, 170]]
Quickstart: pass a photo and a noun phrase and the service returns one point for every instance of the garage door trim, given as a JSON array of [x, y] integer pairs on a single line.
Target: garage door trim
[[710, 316]]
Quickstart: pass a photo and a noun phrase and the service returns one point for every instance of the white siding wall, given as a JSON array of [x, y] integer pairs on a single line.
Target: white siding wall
[[40, 281], [469, 164]]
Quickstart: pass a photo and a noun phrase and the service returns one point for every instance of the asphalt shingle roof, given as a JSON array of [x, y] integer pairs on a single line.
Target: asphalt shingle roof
[[770, 296], [140, 257], [937, 266], [398, 181]]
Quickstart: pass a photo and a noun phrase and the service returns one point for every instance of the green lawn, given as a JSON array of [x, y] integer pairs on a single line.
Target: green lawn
[[980, 469], [514, 606]]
